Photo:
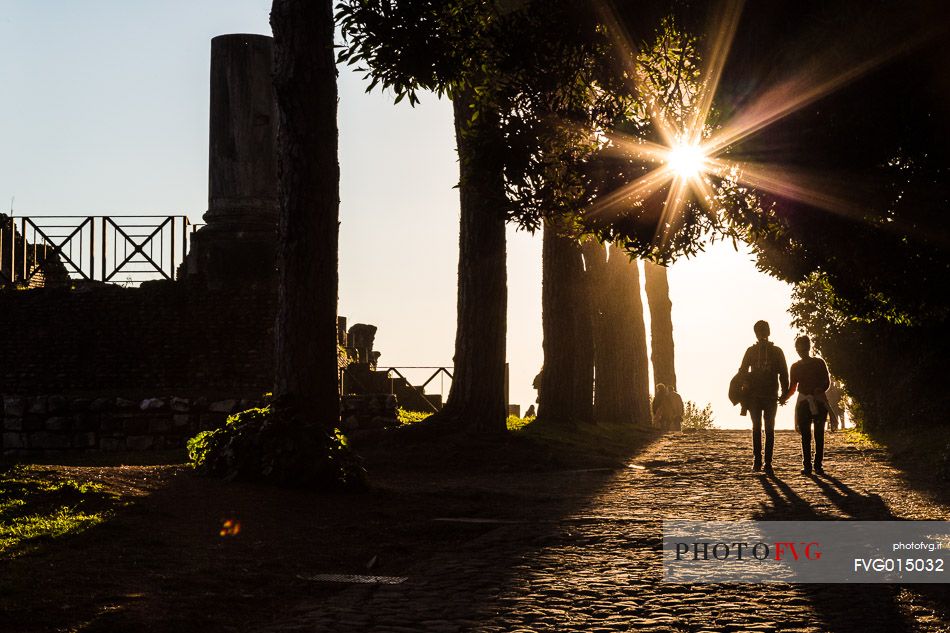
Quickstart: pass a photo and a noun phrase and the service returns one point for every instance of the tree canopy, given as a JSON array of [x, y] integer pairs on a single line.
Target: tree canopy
[[865, 167]]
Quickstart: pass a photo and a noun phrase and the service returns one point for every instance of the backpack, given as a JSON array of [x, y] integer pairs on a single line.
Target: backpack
[[738, 387], [762, 368]]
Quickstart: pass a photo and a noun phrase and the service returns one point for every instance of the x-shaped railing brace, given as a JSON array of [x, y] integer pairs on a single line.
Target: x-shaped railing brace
[[56, 249], [138, 248]]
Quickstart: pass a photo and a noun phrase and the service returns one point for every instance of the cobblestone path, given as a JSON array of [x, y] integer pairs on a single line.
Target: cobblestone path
[[589, 561]]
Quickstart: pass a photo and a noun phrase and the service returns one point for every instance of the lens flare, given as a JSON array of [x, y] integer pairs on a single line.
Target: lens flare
[[230, 527], [686, 161]]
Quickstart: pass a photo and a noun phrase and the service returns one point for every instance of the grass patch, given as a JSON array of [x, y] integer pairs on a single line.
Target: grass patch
[[35, 507], [405, 416], [860, 438], [164, 457], [923, 453], [33, 527]]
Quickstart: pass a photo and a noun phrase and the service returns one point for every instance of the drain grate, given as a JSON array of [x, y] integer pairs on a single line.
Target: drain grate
[[356, 579]]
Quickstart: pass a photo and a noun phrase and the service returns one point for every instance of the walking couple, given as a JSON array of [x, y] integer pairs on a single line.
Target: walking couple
[[764, 382]]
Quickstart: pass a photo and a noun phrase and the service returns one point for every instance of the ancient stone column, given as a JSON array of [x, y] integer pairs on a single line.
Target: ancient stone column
[[239, 241]]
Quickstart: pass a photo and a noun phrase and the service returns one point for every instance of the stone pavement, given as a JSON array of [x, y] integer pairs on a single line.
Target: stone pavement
[[583, 555]]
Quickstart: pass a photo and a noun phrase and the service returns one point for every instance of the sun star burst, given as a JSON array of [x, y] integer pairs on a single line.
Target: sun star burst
[[691, 152], [687, 160]]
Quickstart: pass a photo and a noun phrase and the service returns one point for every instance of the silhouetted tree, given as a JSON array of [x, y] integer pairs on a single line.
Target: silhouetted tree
[[477, 396], [309, 173], [621, 365], [623, 276], [566, 393], [661, 323]]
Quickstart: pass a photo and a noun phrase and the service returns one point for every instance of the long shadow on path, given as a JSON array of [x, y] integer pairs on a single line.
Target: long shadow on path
[[841, 607]]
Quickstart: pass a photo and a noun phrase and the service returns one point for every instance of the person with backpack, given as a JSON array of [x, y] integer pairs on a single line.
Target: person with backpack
[[765, 372], [810, 377]]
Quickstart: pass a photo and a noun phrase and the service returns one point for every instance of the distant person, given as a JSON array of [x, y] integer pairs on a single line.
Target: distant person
[[835, 410], [661, 406], [810, 377], [530, 412], [766, 371], [667, 408], [677, 409], [537, 384]]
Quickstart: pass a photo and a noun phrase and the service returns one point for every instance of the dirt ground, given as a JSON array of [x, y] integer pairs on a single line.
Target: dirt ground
[[488, 539]]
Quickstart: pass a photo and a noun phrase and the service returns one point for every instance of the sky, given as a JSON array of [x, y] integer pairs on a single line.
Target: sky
[[104, 110]]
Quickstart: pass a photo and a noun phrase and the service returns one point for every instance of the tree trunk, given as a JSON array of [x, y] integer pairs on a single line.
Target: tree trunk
[[621, 365], [309, 174], [566, 390], [661, 324], [583, 347], [635, 336], [595, 267], [477, 398]]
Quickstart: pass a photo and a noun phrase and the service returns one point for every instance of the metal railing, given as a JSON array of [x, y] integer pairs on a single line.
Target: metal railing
[[420, 389], [350, 381], [124, 249]]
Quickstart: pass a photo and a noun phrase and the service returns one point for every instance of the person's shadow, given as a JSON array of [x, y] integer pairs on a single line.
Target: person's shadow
[[840, 607], [857, 506], [786, 504]]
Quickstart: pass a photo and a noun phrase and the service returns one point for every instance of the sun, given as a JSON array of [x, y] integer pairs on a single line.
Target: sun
[[686, 161]]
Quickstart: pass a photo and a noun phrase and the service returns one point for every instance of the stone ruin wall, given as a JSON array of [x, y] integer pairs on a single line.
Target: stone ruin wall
[[50, 426]]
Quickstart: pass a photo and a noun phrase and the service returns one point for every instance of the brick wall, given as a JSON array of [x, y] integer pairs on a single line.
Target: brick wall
[[162, 338], [138, 368]]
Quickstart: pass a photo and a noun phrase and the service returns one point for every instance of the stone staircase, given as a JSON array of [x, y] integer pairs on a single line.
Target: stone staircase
[[360, 379]]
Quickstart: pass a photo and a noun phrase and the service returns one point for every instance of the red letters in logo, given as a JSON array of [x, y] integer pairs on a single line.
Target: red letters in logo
[[809, 550]]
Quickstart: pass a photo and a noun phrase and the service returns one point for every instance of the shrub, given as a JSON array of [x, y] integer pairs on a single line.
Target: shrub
[[410, 417], [696, 419], [275, 445], [516, 424]]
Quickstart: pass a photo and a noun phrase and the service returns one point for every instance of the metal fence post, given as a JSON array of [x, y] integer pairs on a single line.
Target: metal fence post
[[92, 248], [23, 237], [184, 242], [104, 248]]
